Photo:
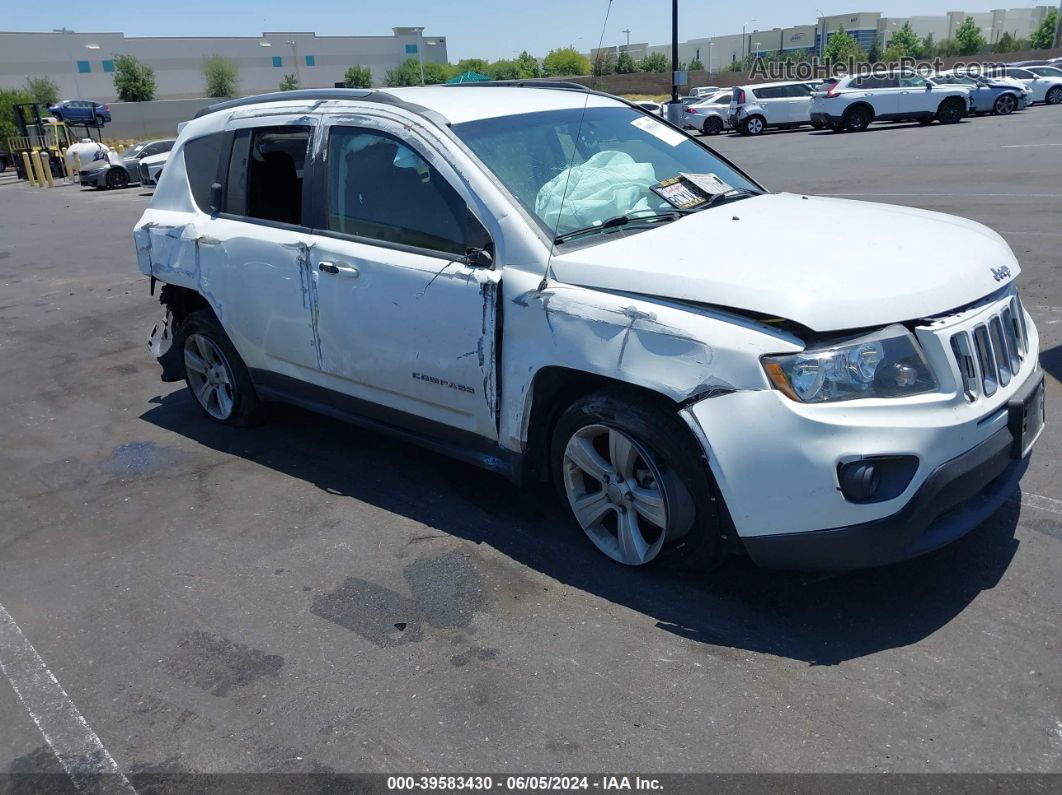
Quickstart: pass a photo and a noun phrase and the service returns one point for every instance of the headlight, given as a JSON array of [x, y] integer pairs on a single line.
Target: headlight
[[887, 363]]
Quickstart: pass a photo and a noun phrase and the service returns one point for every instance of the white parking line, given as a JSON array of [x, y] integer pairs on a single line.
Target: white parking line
[[1048, 504], [1024, 146], [77, 747]]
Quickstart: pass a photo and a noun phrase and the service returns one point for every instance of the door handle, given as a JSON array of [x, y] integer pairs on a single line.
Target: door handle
[[338, 268]]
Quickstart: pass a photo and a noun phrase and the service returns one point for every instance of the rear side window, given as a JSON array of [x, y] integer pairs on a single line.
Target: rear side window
[[379, 188], [265, 173], [201, 165], [774, 92]]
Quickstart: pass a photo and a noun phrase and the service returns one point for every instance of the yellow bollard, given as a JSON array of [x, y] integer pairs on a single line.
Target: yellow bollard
[[35, 159], [46, 168], [77, 167], [28, 168]]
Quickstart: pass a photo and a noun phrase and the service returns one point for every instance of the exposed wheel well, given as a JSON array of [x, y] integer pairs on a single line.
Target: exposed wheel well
[[182, 301], [553, 390]]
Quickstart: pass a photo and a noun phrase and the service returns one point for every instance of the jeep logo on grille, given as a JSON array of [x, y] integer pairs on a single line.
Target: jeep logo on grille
[[1000, 273]]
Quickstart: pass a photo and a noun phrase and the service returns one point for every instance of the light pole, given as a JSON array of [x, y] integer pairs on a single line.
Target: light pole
[[822, 37], [628, 32], [420, 55], [295, 59], [757, 49], [744, 46], [710, 45], [70, 57]]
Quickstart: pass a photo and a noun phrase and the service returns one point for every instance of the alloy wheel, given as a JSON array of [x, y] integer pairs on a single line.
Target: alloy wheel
[[616, 493], [1054, 96], [1005, 105], [209, 376]]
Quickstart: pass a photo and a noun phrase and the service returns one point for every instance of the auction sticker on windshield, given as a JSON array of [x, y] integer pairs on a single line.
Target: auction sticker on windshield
[[659, 129], [680, 192]]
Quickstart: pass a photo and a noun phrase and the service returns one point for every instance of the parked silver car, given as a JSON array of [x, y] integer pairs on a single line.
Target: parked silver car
[[709, 114]]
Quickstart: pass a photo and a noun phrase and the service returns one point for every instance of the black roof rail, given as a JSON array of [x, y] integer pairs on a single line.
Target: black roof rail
[[529, 83], [324, 94]]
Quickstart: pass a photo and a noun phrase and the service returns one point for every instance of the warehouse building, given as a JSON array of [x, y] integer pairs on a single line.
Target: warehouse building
[[83, 63]]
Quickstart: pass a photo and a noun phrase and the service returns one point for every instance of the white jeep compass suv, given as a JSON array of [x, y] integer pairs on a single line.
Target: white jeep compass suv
[[513, 274], [851, 103]]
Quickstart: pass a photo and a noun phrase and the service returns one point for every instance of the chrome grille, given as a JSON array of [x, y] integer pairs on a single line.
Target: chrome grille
[[990, 354]]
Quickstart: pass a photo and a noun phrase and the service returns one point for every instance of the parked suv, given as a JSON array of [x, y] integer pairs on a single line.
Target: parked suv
[[515, 276], [755, 108], [851, 103]]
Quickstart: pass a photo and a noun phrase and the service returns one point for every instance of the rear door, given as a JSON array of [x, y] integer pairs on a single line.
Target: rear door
[[404, 319], [798, 102], [883, 94], [253, 254]]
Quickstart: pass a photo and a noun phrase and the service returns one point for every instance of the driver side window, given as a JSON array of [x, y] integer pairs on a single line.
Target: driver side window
[[381, 189]]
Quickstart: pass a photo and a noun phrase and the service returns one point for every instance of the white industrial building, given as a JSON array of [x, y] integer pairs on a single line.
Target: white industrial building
[[718, 52], [83, 63]]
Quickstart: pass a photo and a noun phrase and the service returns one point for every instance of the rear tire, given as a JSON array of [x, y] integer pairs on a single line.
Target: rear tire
[[636, 481], [951, 111], [214, 372], [857, 119], [713, 125], [1004, 105], [753, 125], [1054, 96]]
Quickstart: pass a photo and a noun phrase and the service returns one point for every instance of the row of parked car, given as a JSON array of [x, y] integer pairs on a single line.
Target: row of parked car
[[99, 166], [853, 102]]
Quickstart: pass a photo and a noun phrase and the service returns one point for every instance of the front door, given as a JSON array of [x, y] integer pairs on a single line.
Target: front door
[[404, 319], [916, 97]]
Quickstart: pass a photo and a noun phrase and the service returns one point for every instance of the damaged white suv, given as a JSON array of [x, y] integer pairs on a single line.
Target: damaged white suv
[[514, 274]]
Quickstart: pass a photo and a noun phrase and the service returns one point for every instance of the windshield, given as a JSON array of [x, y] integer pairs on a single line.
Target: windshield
[[619, 155]]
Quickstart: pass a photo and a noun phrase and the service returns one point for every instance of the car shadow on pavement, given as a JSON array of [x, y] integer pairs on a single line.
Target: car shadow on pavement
[[818, 619], [1051, 361]]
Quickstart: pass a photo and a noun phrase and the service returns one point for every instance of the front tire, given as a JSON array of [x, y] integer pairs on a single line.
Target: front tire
[[636, 481], [951, 111], [1054, 96], [1005, 104], [214, 372], [753, 125], [117, 178]]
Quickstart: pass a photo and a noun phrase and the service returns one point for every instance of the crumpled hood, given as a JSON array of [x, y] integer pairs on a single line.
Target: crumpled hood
[[828, 264]]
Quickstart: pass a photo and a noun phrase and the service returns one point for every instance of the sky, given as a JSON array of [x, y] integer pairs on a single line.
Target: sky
[[473, 28]]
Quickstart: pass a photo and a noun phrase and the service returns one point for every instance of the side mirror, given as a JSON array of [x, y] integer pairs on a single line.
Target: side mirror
[[479, 248], [929, 86], [215, 198]]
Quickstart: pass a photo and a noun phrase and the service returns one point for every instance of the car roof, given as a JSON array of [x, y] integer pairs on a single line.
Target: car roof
[[471, 102], [754, 86]]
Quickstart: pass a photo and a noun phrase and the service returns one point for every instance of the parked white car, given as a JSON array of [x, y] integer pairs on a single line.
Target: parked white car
[[851, 103], [149, 168], [710, 115], [754, 108], [432, 262], [704, 91], [1044, 82]]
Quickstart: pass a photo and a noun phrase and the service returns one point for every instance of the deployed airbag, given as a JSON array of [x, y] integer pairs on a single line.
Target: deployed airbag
[[607, 185]]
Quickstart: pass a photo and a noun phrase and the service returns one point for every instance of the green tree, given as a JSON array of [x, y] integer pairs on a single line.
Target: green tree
[[565, 61], [289, 83], [875, 52], [358, 76], [904, 44], [604, 63], [407, 73], [1044, 36], [220, 76], [44, 90], [929, 48], [1005, 43], [472, 65], [435, 73], [502, 69], [969, 37], [8, 98], [696, 65], [841, 46], [133, 81], [948, 48], [625, 64], [654, 62], [528, 65]]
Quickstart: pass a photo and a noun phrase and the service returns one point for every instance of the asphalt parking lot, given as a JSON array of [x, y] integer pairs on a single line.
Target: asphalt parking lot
[[309, 597]]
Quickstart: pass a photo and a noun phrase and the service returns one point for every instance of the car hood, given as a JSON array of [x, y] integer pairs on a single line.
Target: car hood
[[828, 264]]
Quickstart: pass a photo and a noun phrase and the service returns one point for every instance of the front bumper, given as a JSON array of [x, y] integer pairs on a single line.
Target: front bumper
[[957, 497], [97, 178]]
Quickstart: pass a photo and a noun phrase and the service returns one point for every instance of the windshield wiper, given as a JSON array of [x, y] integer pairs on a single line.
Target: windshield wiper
[[621, 220], [736, 193]]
